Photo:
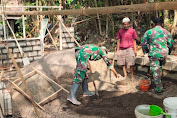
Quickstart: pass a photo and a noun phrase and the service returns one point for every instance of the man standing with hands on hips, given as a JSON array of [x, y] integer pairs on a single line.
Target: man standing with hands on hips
[[126, 47]]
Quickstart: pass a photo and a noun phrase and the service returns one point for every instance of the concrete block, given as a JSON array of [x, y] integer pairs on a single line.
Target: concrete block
[[3, 57], [2, 46], [34, 53], [67, 35], [29, 43], [27, 49], [139, 60], [36, 47], [26, 54], [15, 50], [68, 45], [19, 60], [38, 42], [5, 51], [146, 61], [174, 66], [12, 44], [39, 53], [168, 65], [15, 55], [22, 43], [36, 58]]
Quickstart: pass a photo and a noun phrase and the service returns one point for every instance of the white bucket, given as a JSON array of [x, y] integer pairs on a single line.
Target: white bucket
[[142, 111], [170, 104]]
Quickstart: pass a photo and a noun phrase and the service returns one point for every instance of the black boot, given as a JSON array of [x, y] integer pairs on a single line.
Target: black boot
[[86, 92], [72, 96]]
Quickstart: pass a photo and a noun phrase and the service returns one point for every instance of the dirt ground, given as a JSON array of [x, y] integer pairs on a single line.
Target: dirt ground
[[110, 104]]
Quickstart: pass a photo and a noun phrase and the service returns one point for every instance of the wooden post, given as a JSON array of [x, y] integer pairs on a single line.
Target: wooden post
[[22, 78], [4, 23], [42, 36], [23, 22]]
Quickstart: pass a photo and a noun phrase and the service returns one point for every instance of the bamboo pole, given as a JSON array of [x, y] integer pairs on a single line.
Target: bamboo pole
[[103, 10], [22, 78]]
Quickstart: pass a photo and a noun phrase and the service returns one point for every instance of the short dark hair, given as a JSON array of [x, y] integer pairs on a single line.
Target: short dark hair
[[158, 21]]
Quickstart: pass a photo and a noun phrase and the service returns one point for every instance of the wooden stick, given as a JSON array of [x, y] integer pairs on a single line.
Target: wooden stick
[[22, 78], [49, 98], [47, 78], [69, 33], [83, 20], [52, 28], [114, 57], [27, 75], [24, 94], [1, 75], [35, 26], [20, 49], [52, 39]]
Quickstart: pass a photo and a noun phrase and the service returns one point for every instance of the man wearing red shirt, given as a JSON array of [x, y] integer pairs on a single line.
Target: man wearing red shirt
[[126, 47]]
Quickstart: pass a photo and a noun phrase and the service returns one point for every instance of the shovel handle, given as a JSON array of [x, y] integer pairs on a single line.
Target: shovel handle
[[169, 116]]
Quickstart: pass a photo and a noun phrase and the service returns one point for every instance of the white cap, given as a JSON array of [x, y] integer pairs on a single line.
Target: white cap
[[126, 20]]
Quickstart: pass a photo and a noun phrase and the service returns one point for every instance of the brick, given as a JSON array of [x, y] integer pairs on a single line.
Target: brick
[[3, 57], [22, 44], [5, 51], [12, 44], [39, 53], [36, 47], [26, 54], [29, 43], [38, 42], [18, 60], [36, 58], [34, 53], [2, 46], [28, 49], [16, 50]]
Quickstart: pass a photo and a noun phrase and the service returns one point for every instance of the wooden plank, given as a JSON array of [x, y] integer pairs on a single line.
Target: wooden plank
[[50, 80], [49, 97], [26, 95], [171, 5], [23, 80], [27, 75]]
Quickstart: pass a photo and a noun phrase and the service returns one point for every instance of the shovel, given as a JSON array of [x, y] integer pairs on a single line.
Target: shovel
[[25, 59]]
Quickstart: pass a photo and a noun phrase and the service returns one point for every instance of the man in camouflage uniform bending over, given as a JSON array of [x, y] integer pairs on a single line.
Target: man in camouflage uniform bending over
[[83, 54], [158, 43]]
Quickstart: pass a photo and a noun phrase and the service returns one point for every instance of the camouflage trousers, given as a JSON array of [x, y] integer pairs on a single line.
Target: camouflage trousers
[[81, 67], [156, 69]]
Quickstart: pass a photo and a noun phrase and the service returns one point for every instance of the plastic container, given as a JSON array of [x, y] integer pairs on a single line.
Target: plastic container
[[142, 111], [156, 110], [170, 105], [144, 83]]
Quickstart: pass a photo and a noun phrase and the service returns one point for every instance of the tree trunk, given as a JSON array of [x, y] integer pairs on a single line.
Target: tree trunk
[[103, 10], [98, 17]]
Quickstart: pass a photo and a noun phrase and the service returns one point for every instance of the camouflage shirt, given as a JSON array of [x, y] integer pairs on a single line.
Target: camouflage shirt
[[157, 42]]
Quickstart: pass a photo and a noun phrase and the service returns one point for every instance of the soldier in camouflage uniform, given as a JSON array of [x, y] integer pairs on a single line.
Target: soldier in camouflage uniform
[[83, 54], [158, 43]]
